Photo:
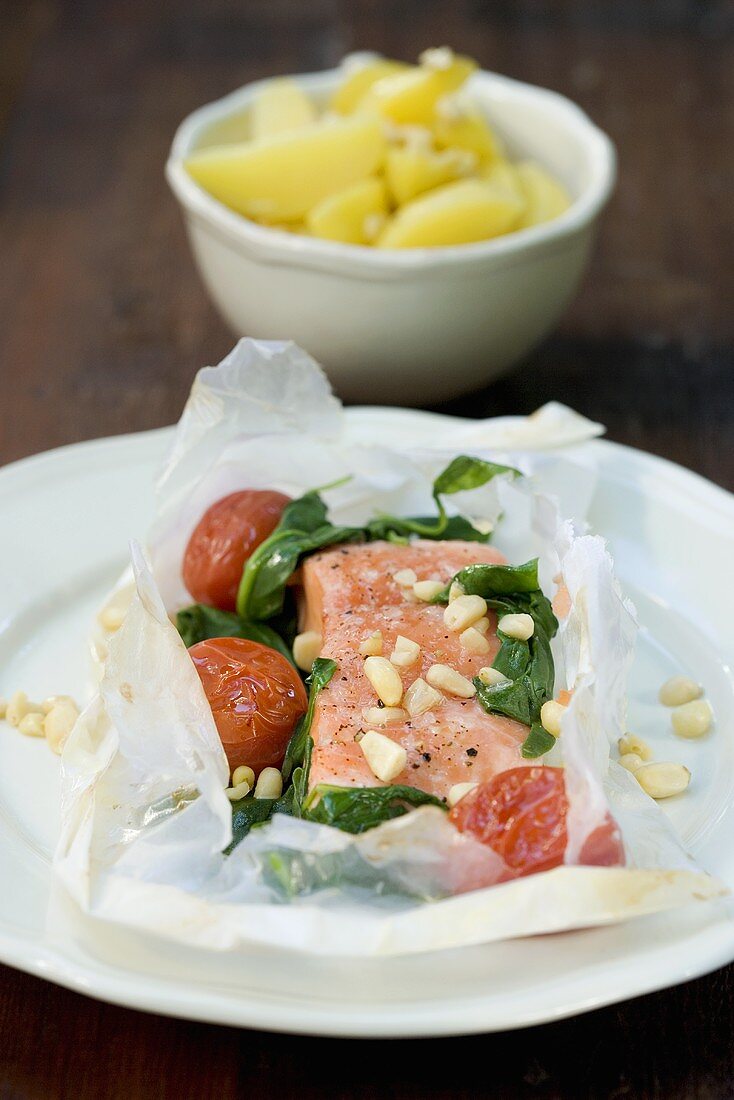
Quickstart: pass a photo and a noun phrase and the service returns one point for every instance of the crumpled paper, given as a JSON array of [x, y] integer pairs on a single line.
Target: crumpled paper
[[140, 846]]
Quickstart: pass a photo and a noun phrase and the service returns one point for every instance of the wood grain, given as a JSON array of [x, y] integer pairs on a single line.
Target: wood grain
[[103, 323]]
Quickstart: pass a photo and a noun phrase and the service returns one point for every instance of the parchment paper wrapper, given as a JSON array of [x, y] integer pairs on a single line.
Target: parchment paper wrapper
[[141, 847]]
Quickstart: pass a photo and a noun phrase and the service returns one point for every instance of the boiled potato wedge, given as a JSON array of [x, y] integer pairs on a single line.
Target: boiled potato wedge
[[280, 106], [458, 126], [281, 178], [354, 215], [503, 174], [359, 81], [410, 172], [545, 197], [410, 97], [458, 213]]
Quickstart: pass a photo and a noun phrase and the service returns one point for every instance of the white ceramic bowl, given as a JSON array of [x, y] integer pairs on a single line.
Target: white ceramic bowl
[[412, 326]]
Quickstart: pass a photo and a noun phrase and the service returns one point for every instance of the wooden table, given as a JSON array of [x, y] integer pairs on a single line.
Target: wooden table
[[103, 323]]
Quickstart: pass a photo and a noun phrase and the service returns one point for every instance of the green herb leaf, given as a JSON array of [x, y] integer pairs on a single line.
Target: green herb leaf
[[199, 622], [466, 472], [537, 743], [304, 527], [511, 699], [250, 811], [528, 665], [297, 761], [357, 809], [491, 581]]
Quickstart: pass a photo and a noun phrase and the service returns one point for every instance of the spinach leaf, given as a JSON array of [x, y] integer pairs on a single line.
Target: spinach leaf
[[491, 581], [250, 811], [266, 574], [297, 761], [357, 809], [199, 622], [528, 665], [466, 472], [304, 527], [511, 699], [537, 743]]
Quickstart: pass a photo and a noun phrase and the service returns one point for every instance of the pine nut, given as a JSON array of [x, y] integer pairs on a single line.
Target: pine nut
[[238, 791], [371, 646], [449, 680], [631, 761], [455, 591], [386, 758], [464, 611], [31, 724], [406, 578], [383, 716], [663, 780], [427, 590], [520, 626], [18, 706], [420, 697], [384, 679], [632, 743], [482, 625], [692, 719], [492, 676], [457, 792], [473, 642], [59, 722], [437, 58], [269, 784], [53, 700], [679, 690], [111, 618], [243, 774], [3, 707], [551, 714], [405, 653], [306, 648]]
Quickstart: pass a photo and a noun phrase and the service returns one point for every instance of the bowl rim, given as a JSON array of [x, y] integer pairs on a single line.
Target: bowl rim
[[277, 246]]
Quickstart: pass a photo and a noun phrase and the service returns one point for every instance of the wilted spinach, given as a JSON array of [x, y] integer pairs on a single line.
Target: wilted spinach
[[251, 811], [357, 809], [528, 665], [304, 527], [199, 622]]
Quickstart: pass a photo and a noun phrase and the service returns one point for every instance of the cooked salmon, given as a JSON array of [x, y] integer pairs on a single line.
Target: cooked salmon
[[350, 592]]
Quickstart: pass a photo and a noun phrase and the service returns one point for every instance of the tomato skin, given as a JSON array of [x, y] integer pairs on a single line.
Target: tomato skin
[[223, 540], [521, 815], [256, 697]]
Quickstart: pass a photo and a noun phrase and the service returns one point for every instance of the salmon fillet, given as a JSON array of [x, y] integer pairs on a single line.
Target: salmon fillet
[[348, 594]]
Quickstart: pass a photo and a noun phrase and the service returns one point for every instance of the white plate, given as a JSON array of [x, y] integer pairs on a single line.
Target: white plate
[[67, 517]]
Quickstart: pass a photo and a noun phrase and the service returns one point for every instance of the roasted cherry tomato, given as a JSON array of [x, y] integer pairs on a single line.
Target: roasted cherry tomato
[[256, 697], [521, 815], [223, 540]]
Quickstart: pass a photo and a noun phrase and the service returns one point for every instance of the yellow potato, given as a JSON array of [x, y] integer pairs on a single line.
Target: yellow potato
[[545, 197], [459, 126], [471, 210], [503, 174], [358, 82], [280, 106], [411, 171], [410, 97], [354, 215], [281, 178]]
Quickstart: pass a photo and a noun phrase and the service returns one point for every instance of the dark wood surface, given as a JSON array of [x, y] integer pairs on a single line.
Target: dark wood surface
[[103, 323]]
